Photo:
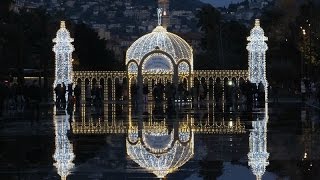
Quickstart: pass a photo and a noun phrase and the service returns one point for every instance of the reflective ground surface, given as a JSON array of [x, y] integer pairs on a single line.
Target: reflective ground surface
[[182, 141]]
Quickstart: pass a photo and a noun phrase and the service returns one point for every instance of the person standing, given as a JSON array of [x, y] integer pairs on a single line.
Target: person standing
[[77, 94], [63, 95], [303, 90], [145, 93], [2, 97], [318, 93], [35, 99]]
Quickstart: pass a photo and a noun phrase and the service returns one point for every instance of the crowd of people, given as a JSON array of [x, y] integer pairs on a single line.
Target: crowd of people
[[67, 96], [246, 95], [16, 97], [310, 91]]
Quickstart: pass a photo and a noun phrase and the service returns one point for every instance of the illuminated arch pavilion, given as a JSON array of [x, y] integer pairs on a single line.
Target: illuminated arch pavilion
[[161, 56], [160, 52]]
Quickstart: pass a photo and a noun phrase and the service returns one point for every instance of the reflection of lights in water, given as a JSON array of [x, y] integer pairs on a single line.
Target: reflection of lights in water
[[155, 147], [258, 155], [63, 154], [159, 152], [230, 83]]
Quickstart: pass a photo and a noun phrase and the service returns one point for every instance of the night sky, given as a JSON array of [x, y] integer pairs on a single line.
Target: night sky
[[220, 3]]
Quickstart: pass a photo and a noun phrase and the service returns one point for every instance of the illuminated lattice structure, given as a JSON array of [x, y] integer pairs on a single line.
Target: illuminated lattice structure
[[258, 155], [109, 78], [257, 48], [63, 154], [63, 56]]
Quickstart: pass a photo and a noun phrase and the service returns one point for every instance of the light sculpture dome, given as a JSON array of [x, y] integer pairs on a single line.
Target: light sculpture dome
[[159, 151], [160, 39]]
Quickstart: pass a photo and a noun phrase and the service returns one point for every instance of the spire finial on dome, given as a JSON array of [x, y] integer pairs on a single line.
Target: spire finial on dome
[[62, 24], [257, 22], [159, 10]]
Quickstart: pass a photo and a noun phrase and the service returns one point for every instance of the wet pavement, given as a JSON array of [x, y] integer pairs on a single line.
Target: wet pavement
[[181, 141]]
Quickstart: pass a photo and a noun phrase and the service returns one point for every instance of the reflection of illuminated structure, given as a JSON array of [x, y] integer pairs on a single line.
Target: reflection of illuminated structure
[[153, 144], [257, 48], [258, 155], [114, 127], [119, 128], [63, 154], [63, 56], [158, 150]]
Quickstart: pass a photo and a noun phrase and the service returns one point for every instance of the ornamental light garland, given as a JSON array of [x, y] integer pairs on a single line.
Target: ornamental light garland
[[63, 56], [257, 48]]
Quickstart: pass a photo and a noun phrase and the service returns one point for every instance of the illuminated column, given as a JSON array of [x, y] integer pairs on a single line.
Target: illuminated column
[[113, 89], [149, 84], [63, 57], [208, 87], [83, 91], [63, 155], [258, 155], [213, 85], [223, 93], [129, 88], [105, 89], [257, 48]]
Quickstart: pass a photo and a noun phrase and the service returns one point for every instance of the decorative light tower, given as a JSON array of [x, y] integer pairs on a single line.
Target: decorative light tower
[[257, 48], [63, 154], [63, 56], [164, 5], [258, 155]]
